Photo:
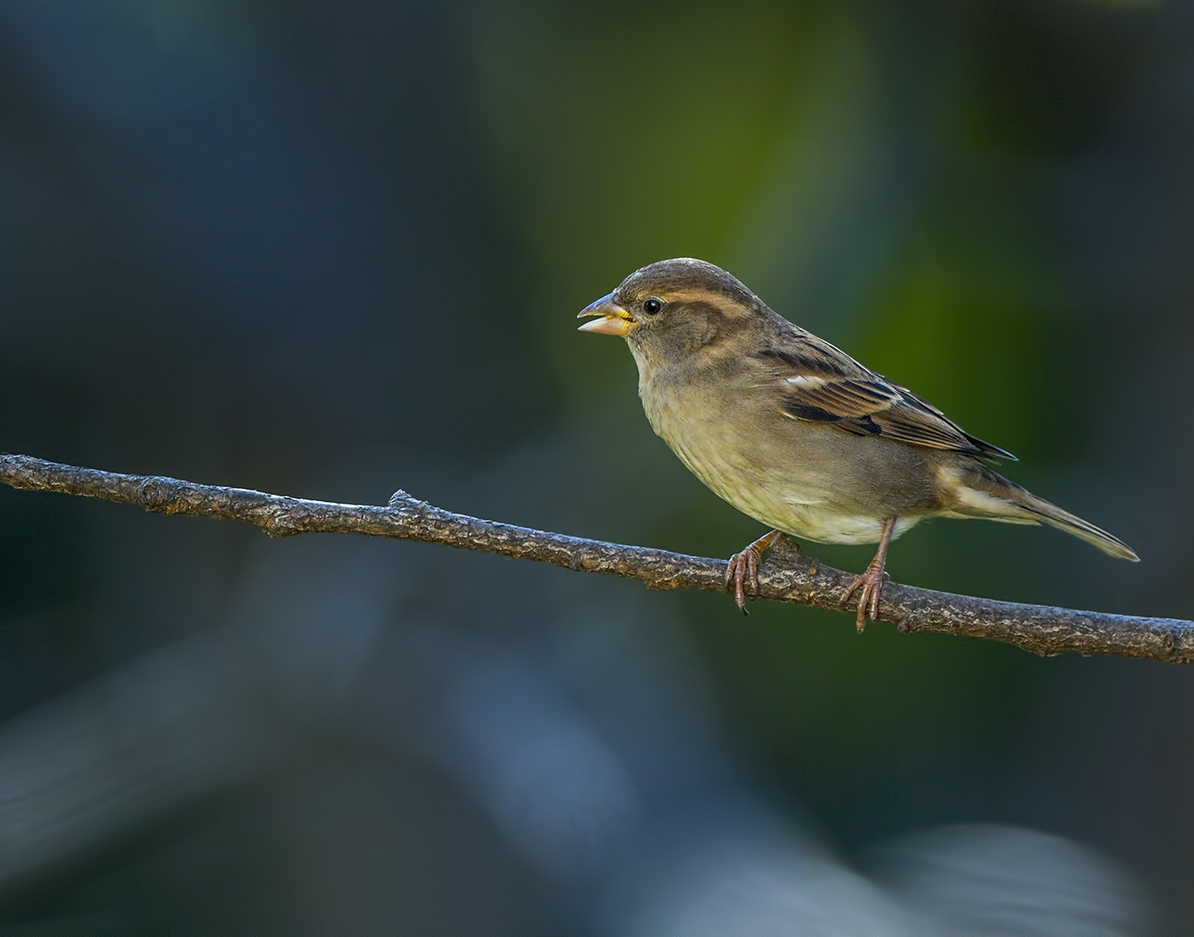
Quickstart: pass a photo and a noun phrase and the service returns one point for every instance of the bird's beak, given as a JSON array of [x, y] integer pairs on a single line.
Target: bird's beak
[[615, 320]]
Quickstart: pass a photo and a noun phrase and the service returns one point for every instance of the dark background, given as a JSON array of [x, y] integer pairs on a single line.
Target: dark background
[[333, 249]]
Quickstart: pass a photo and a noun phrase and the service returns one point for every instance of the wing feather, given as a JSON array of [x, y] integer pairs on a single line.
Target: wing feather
[[819, 383]]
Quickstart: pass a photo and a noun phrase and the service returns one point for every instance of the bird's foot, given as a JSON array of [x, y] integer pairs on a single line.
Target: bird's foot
[[743, 569], [869, 585], [871, 582]]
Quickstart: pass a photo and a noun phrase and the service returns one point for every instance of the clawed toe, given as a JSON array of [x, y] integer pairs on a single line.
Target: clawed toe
[[871, 582], [743, 569], [869, 586]]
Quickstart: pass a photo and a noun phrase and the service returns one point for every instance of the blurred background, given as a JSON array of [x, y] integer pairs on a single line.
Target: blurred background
[[334, 249]]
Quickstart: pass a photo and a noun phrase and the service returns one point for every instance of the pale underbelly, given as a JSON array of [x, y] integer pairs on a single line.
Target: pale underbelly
[[800, 500], [819, 522]]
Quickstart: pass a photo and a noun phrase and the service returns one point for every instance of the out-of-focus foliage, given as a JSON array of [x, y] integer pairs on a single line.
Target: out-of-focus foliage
[[336, 248]]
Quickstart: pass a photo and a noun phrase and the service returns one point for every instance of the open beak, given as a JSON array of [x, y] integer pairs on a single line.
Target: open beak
[[615, 320]]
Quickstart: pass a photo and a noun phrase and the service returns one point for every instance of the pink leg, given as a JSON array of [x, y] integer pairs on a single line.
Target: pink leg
[[744, 568], [871, 582]]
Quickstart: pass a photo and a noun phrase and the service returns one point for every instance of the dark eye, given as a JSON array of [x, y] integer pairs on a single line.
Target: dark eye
[[652, 306]]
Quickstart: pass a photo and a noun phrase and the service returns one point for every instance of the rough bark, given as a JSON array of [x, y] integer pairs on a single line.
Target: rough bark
[[790, 575]]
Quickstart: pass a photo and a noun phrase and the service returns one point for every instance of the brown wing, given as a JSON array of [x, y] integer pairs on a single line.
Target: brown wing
[[821, 384]]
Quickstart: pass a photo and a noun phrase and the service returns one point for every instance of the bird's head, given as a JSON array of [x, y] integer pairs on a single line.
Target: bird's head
[[672, 307]]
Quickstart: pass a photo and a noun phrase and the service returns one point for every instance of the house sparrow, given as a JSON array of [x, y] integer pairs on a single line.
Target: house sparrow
[[797, 434]]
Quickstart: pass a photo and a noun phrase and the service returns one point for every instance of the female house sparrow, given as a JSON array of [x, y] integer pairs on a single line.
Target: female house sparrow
[[797, 434]]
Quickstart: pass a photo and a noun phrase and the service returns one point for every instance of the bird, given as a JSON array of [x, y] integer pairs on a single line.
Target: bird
[[796, 434]]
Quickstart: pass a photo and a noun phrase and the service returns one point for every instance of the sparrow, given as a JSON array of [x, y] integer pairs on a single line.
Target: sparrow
[[795, 433]]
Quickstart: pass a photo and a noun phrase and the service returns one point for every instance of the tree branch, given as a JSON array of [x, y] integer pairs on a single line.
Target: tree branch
[[790, 575]]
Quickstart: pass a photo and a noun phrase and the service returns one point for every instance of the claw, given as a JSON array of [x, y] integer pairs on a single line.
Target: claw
[[871, 582], [743, 569]]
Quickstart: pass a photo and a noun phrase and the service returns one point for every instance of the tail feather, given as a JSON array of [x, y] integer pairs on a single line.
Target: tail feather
[[983, 492], [1054, 516]]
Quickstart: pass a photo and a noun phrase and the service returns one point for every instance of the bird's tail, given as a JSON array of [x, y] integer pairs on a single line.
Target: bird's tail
[[986, 493], [1054, 516]]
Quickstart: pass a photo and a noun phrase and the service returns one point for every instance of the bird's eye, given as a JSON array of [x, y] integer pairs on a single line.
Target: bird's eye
[[652, 306]]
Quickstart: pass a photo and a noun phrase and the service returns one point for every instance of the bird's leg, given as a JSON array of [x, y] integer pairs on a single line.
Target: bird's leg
[[744, 568], [871, 582]]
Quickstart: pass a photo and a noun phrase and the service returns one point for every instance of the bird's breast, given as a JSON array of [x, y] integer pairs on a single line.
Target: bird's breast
[[790, 475]]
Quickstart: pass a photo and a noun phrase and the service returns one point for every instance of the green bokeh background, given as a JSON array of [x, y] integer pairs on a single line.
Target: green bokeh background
[[313, 247]]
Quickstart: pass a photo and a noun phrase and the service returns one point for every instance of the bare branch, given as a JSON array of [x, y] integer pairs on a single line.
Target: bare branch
[[790, 575]]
